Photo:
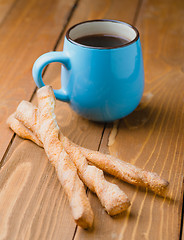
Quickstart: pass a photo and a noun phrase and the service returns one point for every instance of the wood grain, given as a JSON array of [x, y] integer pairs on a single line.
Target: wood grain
[[5, 8], [31, 29], [31, 198], [182, 233], [152, 136], [182, 222]]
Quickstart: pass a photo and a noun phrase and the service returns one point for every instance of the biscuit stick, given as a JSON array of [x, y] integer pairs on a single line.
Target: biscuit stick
[[65, 168], [126, 171], [119, 168]]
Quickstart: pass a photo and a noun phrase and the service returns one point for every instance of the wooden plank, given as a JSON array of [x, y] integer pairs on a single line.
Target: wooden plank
[[5, 8], [32, 28], [152, 136], [182, 230]]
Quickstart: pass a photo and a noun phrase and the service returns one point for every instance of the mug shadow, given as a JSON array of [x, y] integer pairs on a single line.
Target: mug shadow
[[139, 118], [149, 115]]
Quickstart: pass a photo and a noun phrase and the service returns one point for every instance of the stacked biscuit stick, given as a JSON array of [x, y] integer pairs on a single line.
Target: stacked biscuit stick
[[72, 161]]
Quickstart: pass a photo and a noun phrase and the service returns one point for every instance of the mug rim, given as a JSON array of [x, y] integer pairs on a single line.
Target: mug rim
[[102, 20]]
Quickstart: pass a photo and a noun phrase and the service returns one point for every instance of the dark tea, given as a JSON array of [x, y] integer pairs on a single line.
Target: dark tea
[[102, 41]]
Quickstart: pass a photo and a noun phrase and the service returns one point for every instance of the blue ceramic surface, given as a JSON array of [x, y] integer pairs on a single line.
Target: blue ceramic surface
[[99, 84]]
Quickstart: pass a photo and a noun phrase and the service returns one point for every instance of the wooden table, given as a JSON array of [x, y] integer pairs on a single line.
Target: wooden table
[[32, 202]]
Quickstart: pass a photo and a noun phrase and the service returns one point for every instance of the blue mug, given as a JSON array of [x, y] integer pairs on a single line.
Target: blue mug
[[99, 83]]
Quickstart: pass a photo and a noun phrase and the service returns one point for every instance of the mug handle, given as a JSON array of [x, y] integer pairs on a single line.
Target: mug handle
[[44, 60]]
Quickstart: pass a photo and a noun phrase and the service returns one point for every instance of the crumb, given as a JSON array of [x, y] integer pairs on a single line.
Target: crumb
[[113, 133], [145, 101], [114, 235]]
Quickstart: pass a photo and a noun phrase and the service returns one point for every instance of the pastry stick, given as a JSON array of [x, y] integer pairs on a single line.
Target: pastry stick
[[126, 171], [117, 167], [112, 198], [65, 168]]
